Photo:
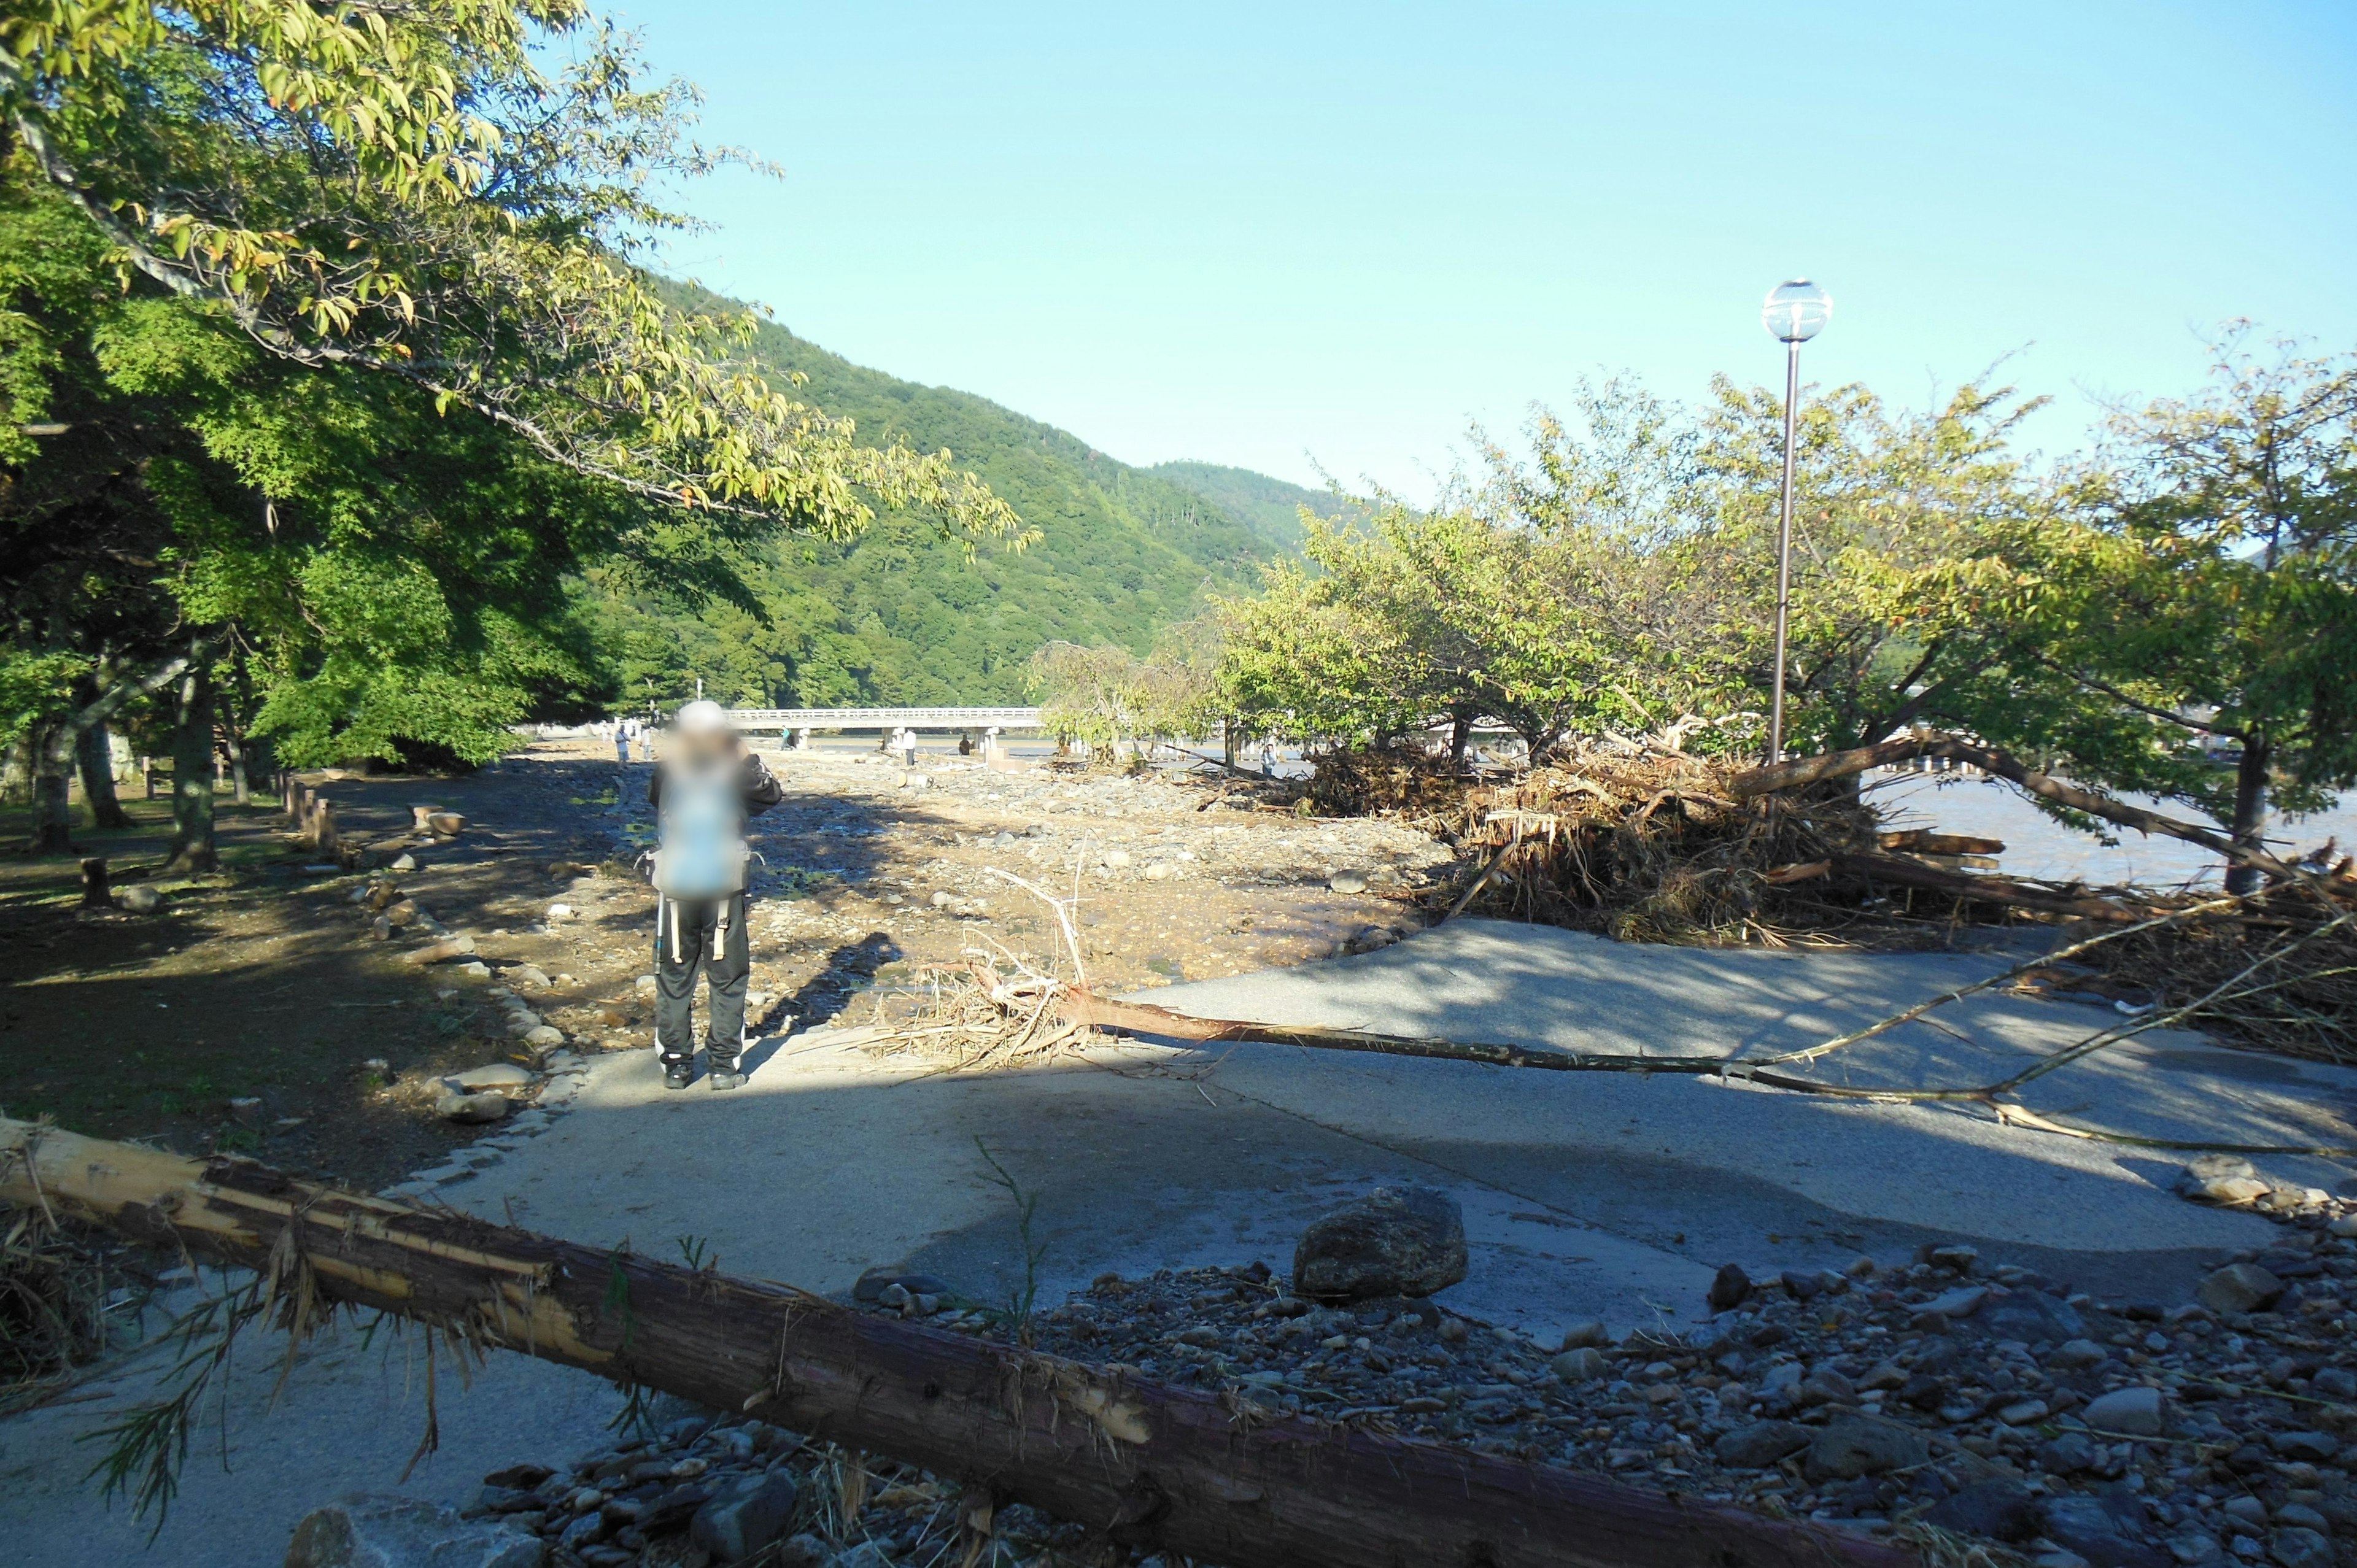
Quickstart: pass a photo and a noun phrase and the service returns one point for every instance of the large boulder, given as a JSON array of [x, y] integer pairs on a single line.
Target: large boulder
[[366, 1530], [1394, 1242]]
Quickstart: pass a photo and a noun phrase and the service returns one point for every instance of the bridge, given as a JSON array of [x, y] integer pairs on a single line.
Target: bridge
[[884, 718]]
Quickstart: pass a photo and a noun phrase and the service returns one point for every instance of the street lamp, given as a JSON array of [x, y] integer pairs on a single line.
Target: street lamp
[[1794, 313]]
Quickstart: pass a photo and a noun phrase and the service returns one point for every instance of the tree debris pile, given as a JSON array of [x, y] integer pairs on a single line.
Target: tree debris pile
[[57, 1288], [1984, 1402], [2276, 970]]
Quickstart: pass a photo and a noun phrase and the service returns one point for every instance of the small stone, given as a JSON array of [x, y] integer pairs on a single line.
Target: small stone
[[140, 899], [2304, 1517], [1851, 1446], [472, 1108], [742, 1520], [1761, 1443], [1591, 1332], [490, 1075], [2226, 1190], [2021, 1412], [1580, 1366], [1961, 1303], [1346, 880], [2239, 1287], [2075, 1355], [2067, 1454], [1957, 1260], [2196, 1549], [1826, 1386], [544, 1038], [560, 912], [2316, 1447], [363, 1531], [405, 862], [646, 985], [1729, 1288], [803, 1552], [2102, 1530], [1999, 1509], [529, 974], [380, 929], [2299, 1549], [1118, 859], [940, 900], [1159, 871], [2136, 1412], [1394, 1242], [2344, 1227]]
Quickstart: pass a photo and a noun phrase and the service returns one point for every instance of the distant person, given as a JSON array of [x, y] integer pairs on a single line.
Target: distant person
[[702, 795], [908, 748], [621, 729], [646, 734]]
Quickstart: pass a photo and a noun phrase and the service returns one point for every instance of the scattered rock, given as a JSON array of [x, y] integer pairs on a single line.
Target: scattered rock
[[445, 824], [369, 1530], [405, 862], [560, 912], [2138, 1411], [1961, 1303], [2239, 1287], [2102, 1530], [1853, 1446], [2316, 1447], [748, 1517], [1579, 1365], [436, 951], [490, 1075], [140, 899], [2029, 1315], [1346, 880], [529, 974], [2299, 1548], [871, 1286], [473, 1108], [1761, 1443], [1394, 1242], [1729, 1288], [2076, 1355], [2001, 1508], [1591, 1332], [544, 1038]]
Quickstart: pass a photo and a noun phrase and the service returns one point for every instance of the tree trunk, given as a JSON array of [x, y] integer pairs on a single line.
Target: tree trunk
[[2250, 813], [96, 749], [1168, 1469], [53, 753], [192, 774], [1460, 735]]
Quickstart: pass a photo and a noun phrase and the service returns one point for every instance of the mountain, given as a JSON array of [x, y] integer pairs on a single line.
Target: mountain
[[899, 616], [1270, 507]]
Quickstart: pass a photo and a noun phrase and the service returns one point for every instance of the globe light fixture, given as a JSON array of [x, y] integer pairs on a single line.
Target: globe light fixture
[[1794, 312]]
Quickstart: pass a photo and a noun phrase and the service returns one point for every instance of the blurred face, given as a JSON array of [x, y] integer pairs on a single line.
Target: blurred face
[[706, 746]]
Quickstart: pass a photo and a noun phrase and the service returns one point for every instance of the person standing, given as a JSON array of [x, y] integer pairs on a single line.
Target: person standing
[[621, 733], [702, 794]]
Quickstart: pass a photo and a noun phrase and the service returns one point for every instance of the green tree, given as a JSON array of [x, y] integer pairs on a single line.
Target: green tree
[[2216, 593]]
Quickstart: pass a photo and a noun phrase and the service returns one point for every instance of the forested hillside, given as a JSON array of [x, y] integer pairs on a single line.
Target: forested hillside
[[899, 616]]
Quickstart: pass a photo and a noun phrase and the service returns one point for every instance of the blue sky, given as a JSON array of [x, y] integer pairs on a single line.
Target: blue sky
[[1293, 236]]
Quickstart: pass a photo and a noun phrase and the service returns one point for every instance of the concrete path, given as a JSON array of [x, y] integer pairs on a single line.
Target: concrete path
[[1586, 1194]]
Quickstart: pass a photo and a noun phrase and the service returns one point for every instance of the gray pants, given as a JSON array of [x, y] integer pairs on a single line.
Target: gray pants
[[707, 934]]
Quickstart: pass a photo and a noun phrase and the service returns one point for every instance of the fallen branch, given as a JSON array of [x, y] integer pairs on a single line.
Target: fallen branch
[[1805, 770], [1905, 873], [1174, 1469]]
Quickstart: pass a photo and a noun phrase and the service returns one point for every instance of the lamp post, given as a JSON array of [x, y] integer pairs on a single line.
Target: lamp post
[[1794, 313]]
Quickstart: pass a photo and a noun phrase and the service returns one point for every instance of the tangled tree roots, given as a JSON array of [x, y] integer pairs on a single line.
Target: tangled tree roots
[[55, 1285]]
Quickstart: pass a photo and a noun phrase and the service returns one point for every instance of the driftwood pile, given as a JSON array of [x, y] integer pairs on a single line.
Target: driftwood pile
[[1643, 841]]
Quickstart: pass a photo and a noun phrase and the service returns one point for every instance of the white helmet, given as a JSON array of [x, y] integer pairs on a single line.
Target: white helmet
[[701, 716]]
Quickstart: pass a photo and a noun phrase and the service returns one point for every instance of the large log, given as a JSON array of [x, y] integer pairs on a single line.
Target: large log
[[1172, 1469]]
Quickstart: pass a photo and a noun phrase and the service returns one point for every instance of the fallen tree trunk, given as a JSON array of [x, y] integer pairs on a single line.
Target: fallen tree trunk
[[1175, 1469], [1905, 873], [1805, 770]]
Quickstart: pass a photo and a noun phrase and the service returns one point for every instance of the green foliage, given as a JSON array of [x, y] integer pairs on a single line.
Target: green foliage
[[403, 191], [1107, 695]]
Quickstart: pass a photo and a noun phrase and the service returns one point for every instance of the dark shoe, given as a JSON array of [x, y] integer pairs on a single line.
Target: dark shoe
[[726, 1078], [678, 1075]]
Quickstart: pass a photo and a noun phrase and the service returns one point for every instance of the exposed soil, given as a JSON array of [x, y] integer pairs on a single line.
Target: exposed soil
[[246, 1014]]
